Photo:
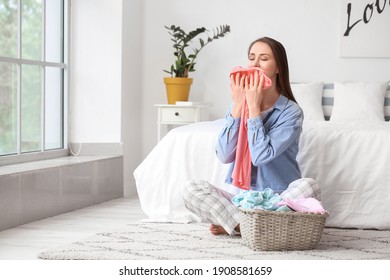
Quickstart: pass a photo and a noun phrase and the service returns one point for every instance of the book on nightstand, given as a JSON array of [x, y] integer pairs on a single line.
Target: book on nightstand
[[189, 103]]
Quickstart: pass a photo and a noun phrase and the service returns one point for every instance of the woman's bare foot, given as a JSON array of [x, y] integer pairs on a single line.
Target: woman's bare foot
[[217, 230]]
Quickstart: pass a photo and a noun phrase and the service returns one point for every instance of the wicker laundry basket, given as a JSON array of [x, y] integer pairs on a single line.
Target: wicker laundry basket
[[263, 230]]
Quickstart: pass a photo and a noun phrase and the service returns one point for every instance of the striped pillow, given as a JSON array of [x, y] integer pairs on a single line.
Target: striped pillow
[[328, 101]]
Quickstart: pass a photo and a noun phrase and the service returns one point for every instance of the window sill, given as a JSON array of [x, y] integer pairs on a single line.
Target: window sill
[[49, 163]]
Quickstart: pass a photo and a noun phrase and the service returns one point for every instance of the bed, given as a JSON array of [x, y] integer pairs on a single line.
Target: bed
[[350, 159]]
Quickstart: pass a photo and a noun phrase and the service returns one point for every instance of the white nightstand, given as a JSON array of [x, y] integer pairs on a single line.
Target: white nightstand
[[180, 115]]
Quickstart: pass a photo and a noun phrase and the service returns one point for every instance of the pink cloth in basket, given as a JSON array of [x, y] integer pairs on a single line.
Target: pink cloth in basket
[[308, 204], [242, 168]]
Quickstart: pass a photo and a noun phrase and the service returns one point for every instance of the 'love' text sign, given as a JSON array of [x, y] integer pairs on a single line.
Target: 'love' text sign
[[365, 28]]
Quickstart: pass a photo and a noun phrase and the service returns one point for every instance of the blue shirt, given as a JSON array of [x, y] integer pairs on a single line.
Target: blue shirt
[[273, 145]]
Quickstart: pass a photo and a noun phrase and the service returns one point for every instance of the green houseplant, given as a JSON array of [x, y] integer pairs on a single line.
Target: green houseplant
[[185, 58]]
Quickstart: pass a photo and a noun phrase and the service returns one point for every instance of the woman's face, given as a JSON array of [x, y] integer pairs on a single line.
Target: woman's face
[[260, 55]]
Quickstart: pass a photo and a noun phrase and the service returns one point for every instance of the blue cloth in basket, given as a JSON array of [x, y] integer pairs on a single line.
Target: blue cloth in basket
[[265, 200]]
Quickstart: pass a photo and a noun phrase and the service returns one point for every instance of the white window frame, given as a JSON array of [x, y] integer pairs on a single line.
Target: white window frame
[[19, 157]]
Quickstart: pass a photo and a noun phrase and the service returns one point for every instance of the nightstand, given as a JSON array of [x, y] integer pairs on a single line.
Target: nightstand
[[180, 115]]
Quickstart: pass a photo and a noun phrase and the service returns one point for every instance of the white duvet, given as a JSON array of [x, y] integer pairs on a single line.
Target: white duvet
[[186, 152], [350, 161], [352, 164]]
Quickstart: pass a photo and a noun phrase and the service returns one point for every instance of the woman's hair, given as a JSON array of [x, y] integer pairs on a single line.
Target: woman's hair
[[282, 79]]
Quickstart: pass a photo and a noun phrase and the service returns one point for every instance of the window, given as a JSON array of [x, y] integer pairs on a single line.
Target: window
[[33, 75]]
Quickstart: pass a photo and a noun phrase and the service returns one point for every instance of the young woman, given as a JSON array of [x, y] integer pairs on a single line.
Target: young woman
[[273, 129]]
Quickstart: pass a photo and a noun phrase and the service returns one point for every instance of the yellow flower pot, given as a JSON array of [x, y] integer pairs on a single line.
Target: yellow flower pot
[[178, 89]]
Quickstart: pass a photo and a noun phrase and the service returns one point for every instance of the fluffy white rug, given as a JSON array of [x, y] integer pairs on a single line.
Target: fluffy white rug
[[147, 241]]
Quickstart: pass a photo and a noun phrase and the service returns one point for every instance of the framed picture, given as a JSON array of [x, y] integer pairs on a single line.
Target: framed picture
[[365, 28]]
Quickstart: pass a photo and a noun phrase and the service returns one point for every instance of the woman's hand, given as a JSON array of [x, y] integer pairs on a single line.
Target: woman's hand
[[254, 94], [237, 91]]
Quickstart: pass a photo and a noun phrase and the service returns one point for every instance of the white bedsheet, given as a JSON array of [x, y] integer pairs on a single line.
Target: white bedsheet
[[350, 161], [352, 164], [186, 152]]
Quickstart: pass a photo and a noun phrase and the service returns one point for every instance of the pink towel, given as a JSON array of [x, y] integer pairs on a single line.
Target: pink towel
[[308, 204], [242, 169]]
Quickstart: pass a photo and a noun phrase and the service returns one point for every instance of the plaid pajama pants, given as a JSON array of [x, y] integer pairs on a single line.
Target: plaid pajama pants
[[211, 204], [214, 205]]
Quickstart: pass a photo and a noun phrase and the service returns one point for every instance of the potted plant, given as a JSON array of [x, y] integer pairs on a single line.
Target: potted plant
[[178, 85]]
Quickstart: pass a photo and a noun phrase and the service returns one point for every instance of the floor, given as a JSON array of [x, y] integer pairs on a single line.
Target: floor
[[27, 241]]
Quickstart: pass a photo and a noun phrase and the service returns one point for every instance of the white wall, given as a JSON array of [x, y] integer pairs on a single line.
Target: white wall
[[309, 29], [131, 90], [106, 86], [120, 47], [96, 60]]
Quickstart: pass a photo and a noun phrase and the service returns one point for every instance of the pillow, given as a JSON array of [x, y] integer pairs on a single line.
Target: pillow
[[309, 98], [359, 101]]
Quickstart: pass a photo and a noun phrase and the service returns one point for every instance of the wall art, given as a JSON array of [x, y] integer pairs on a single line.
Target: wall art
[[365, 28]]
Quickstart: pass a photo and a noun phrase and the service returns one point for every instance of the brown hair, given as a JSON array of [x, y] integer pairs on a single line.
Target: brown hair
[[282, 79]]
